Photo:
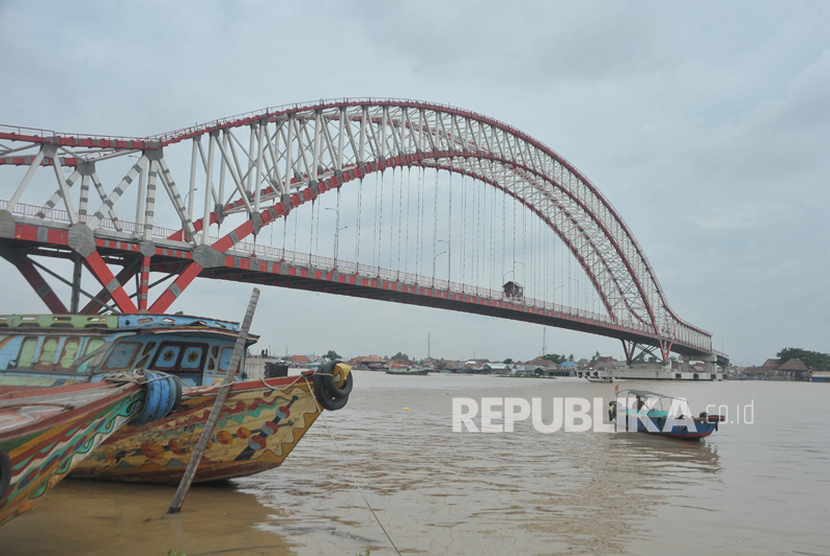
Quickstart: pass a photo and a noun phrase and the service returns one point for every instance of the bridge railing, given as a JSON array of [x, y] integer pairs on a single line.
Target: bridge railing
[[276, 254], [369, 271]]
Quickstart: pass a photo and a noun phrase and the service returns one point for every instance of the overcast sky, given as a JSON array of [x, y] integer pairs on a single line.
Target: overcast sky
[[706, 124]]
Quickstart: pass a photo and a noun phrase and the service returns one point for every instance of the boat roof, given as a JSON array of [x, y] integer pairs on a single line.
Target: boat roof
[[106, 324], [645, 394], [141, 320]]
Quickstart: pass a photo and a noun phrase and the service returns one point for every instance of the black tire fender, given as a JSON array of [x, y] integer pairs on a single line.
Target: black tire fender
[[328, 379], [331, 396]]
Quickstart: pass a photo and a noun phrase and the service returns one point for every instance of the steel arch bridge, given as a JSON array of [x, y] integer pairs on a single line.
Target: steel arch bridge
[[262, 165]]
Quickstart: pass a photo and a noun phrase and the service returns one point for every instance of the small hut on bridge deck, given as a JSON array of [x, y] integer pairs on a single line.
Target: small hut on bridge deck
[[514, 290]]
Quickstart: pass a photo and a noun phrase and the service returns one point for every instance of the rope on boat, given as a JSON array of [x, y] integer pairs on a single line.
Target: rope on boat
[[349, 469], [66, 406], [328, 393]]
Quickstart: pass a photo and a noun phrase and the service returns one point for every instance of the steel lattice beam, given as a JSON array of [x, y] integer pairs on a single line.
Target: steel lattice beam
[[264, 164]]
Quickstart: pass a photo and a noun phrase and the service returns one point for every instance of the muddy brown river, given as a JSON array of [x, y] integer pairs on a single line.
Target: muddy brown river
[[758, 486]]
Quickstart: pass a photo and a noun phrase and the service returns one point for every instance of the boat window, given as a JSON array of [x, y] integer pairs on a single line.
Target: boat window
[[93, 344], [47, 354], [180, 356], [214, 351], [122, 356], [27, 352], [167, 356], [71, 347], [146, 353], [92, 358], [192, 357], [225, 360]]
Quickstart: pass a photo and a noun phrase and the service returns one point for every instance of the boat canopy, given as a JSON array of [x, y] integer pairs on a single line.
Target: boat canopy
[[646, 394]]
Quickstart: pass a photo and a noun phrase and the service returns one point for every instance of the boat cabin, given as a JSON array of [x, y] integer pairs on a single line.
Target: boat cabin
[[46, 350]]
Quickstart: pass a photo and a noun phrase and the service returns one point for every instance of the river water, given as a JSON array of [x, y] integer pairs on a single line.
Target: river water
[[761, 485]]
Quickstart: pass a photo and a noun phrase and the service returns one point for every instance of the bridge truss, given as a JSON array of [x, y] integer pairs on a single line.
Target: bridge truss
[[99, 200]]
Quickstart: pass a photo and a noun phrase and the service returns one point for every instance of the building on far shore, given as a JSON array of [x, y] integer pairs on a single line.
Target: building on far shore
[[776, 369], [605, 367]]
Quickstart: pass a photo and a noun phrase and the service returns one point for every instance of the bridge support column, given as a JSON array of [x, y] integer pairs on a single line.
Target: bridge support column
[[665, 350], [628, 350], [143, 284], [710, 363], [96, 303], [76, 285], [82, 241]]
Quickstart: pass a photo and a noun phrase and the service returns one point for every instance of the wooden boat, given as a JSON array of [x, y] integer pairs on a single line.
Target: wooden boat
[[599, 379], [652, 413], [46, 432], [262, 420], [407, 371]]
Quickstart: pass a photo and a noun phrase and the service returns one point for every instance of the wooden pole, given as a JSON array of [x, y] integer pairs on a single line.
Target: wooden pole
[[215, 412]]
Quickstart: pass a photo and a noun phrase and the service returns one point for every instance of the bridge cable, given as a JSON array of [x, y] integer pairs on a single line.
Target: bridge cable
[[400, 217], [513, 253], [317, 203], [526, 243], [477, 239], [382, 178], [485, 237], [493, 204], [337, 228], [408, 196], [296, 227], [391, 235], [419, 235], [449, 233], [359, 212], [463, 224], [435, 226], [504, 223], [311, 231], [375, 233]]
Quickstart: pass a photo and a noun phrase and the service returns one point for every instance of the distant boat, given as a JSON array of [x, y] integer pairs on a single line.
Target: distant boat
[[45, 433], [652, 413], [409, 371], [261, 421], [599, 379]]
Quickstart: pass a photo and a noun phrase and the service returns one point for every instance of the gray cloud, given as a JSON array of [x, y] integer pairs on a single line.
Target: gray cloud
[[706, 126]]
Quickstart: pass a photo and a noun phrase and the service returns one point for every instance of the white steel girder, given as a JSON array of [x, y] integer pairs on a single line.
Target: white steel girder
[[290, 149]]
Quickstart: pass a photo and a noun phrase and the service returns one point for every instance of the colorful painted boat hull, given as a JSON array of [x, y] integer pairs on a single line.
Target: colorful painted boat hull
[[703, 428], [660, 415], [261, 422], [408, 372], [47, 432]]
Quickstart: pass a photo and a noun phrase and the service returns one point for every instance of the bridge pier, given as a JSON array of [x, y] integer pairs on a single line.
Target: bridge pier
[[710, 363]]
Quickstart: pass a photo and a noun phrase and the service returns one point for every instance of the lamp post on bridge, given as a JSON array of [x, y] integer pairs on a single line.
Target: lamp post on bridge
[[449, 262], [433, 266], [337, 229], [560, 286]]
